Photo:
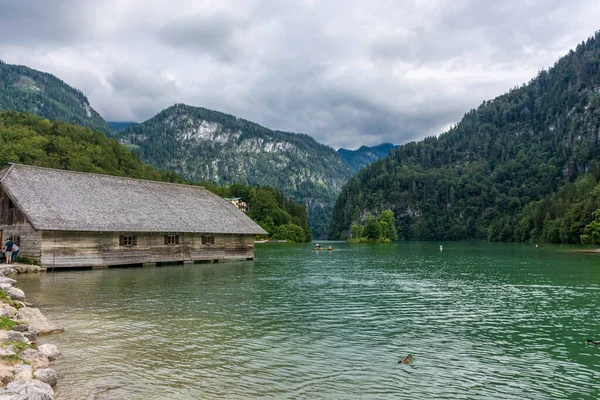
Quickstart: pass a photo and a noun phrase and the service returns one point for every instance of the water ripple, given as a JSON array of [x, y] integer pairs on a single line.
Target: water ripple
[[482, 321]]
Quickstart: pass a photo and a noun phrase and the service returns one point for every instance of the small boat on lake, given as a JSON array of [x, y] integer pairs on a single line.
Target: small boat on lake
[[319, 247]]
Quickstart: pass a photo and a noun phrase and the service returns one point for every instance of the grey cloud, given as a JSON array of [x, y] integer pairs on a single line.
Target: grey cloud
[[344, 72], [35, 22], [150, 84], [217, 35]]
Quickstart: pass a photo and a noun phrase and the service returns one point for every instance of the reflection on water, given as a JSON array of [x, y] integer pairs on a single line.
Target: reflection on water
[[481, 320]]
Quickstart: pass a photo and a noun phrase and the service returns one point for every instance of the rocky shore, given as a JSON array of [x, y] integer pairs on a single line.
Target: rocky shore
[[25, 371]]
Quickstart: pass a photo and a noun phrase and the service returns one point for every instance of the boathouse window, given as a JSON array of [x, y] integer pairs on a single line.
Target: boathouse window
[[11, 205], [127, 240], [171, 239], [208, 239], [17, 240]]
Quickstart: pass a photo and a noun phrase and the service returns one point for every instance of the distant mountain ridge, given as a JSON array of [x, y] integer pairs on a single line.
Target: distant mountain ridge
[[365, 155], [206, 145], [27, 90]]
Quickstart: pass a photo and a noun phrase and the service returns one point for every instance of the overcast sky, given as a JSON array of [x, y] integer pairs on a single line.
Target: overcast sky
[[346, 72]]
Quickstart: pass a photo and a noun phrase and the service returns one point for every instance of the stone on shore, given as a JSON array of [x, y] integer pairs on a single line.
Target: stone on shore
[[10, 281], [7, 374], [47, 375], [31, 335], [20, 328], [15, 293], [7, 352], [31, 390], [8, 311], [5, 395], [23, 372], [35, 357], [50, 350], [8, 271], [12, 336], [37, 321]]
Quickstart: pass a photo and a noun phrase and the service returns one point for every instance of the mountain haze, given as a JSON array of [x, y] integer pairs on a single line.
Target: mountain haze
[[521, 167], [120, 126], [365, 155], [28, 90], [206, 145]]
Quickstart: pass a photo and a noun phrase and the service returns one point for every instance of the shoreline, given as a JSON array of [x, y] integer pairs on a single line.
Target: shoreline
[[25, 371]]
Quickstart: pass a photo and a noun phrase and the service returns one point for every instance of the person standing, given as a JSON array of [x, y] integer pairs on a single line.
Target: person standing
[[7, 249], [15, 252]]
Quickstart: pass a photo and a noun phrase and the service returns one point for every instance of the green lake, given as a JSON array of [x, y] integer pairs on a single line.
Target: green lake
[[482, 321]]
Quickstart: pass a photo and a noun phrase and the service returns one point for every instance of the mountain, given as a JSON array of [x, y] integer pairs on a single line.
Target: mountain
[[205, 145], [365, 155], [522, 167], [29, 139], [28, 90], [119, 126]]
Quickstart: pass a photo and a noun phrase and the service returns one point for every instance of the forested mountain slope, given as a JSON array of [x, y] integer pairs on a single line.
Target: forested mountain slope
[[523, 166], [29, 139], [28, 90], [206, 145], [365, 155]]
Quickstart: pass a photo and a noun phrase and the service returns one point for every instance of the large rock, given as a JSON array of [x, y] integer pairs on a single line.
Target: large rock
[[5, 286], [15, 293], [36, 358], [7, 352], [31, 390], [50, 350], [23, 372], [10, 281], [47, 375], [8, 271], [12, 336], [37, 321], [7, 374], [20, 328], [6, 395], [31, 335], [8, 311]]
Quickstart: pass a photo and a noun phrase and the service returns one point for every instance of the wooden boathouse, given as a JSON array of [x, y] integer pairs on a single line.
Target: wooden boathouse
[[73, 219]]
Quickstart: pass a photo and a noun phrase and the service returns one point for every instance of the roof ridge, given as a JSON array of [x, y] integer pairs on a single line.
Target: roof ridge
[[104, 175], [5, 172]]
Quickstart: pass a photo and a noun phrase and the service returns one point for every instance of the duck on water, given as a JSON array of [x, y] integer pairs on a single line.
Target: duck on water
[[406, 360]]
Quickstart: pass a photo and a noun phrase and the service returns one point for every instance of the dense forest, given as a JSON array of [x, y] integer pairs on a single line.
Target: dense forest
[[27, 90], [522, 167], [283, 218], [29, 139], [206, 145]]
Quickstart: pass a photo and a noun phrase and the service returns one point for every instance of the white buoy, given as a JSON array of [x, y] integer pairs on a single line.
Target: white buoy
[[441, 248]]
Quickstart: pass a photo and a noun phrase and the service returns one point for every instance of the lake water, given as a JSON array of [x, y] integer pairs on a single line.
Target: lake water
[[483, 321]]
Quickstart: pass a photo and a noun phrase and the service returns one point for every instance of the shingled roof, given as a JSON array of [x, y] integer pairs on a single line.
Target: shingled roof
[[53, 199]]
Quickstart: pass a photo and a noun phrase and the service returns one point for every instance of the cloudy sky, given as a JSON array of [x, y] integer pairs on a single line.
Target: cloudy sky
[[346, 72]]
